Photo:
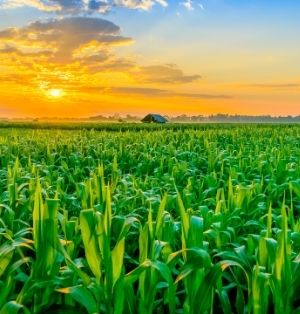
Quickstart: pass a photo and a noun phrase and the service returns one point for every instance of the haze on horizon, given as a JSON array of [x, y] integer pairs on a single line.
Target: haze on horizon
[[74, 58]]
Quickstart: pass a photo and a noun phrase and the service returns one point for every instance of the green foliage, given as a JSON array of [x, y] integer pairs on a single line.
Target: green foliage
[[150, 219]]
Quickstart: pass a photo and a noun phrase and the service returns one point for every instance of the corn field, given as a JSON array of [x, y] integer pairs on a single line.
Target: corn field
[[199, 219]]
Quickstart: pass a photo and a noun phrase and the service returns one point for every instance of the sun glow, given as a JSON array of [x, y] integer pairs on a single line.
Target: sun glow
[[55, 93]]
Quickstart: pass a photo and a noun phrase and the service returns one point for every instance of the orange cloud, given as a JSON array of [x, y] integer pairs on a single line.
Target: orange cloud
[[77, 55]]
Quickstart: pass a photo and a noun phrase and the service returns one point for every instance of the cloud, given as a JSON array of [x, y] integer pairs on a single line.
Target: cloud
[[276, 86], [188, 4], [67, 38], [15, 79], [8, 33], [139, 4], [144, 91], [98, 6], [157, 92], [78, 54], [47, 6], [204, 96], [11, 50], [79, 6], [169, 73]]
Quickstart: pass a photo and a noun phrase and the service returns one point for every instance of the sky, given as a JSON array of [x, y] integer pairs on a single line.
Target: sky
[[80, 58]]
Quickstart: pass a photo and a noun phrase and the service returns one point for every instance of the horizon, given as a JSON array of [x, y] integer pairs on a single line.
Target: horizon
[[134, 57], [116, 116]]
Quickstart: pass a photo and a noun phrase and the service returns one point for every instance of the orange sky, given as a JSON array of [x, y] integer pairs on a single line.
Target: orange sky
[[70, 65]]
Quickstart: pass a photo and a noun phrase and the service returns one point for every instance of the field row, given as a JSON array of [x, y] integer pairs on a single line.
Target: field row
[[185, 220]]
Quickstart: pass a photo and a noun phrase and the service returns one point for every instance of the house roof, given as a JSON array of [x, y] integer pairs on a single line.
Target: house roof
[[155, 117]]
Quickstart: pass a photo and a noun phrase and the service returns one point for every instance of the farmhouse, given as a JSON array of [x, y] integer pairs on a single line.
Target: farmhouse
[[156, 118]]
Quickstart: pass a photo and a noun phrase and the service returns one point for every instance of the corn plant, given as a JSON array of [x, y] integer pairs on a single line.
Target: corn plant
[[149, 219]]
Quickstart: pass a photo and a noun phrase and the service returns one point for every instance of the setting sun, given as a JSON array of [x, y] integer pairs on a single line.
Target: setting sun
[[55, 92]]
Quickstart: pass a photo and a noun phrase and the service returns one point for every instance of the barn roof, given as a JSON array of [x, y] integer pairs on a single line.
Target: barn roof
[[151, 117]]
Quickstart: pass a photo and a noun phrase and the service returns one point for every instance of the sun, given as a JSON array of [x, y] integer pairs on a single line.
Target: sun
[[55, 92]]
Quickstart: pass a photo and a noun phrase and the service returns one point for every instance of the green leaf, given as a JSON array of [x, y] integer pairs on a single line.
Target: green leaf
[[83, 296], [90, 242], [117, 259], [13, 308], [6, 255]]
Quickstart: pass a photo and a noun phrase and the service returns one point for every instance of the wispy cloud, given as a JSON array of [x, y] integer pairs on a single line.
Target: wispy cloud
[[188, 4], [191, 5], [276, 86], [157, 92], [47, 6], [168, 73], [139, 4], [144, 91], [77, 6]]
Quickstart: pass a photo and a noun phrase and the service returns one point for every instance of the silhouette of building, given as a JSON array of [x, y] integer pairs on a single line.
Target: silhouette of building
[[154, 118]]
